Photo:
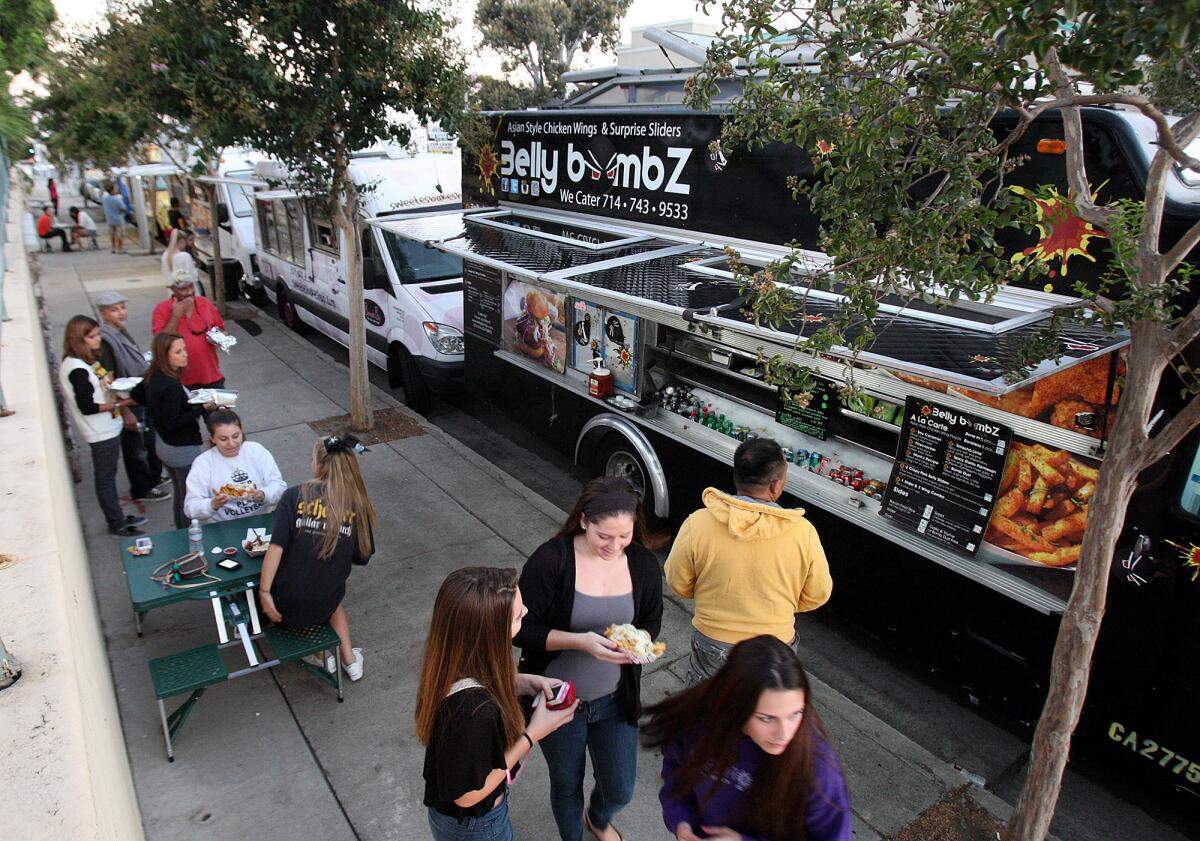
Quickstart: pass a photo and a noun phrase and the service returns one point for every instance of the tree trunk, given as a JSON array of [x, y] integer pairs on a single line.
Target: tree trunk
[[1080, 627], [218, 270], [362, 418]]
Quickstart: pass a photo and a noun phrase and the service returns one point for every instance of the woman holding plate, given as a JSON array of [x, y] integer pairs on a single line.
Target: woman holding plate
[[176, 420], [594, 573], [235, 478]]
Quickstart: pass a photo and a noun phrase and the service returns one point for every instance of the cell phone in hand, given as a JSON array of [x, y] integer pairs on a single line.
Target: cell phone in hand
[[564, 696]]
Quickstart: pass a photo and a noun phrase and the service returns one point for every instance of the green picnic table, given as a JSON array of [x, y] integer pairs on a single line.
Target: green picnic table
[[231, 593], [147, 594]]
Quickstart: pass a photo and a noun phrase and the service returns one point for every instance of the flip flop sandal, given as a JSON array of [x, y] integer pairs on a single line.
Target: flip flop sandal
[[7, 413], [595, 834]]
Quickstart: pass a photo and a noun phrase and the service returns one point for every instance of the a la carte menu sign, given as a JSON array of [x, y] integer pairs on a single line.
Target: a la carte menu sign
[[664, 168], [947, 471]]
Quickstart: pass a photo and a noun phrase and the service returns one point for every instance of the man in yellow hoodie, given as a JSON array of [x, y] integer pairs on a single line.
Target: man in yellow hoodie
[[750, 564]]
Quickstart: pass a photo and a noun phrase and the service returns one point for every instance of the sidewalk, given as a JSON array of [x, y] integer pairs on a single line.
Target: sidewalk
[[274, 756]]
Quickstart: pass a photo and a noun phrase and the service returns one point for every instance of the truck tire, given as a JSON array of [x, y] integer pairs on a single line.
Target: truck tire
[[404, 373], [617, 457], [287, 312]]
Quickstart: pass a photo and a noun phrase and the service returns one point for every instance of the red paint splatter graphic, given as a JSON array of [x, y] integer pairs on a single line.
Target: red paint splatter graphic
[[825, 148], [1062, 234], [1190, 555], [488, 164]]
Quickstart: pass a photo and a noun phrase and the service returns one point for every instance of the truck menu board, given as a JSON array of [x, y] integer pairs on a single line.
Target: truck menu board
[[807, 411], [481, 301], [948, 469]]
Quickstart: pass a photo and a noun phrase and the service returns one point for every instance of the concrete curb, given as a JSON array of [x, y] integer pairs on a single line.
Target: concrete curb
[[66, 773]]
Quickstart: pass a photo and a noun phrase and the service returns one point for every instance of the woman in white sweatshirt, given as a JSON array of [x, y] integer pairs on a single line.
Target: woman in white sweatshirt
[[236, 478]]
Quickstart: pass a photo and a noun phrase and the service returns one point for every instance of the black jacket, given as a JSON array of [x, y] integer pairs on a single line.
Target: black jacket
[[548, 589], [176, 421]]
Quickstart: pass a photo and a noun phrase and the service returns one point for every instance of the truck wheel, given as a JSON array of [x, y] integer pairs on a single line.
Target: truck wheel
[[287, 312], [403, 372], [617, 457]]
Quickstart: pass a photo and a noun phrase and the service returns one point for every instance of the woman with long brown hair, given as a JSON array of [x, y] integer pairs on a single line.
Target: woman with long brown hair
[[176, 421], [745, 754], [594, 573], [468, 716], [322, 528], [97, 414]]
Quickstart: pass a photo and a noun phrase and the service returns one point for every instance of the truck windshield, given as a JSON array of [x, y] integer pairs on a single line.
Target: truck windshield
[[416, 262], [239, 195]]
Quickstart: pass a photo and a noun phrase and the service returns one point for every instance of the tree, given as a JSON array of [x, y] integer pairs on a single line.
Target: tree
[[542, 37], [491, 94], [308, 83], [911, 195], [24, 29]]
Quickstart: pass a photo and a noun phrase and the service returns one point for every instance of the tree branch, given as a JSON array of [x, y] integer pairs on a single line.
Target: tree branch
[[1081, 193], [1174, 432], [1181, 249], [1166, 138], [1183, 334]]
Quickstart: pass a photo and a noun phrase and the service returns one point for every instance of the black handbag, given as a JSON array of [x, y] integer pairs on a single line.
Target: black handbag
[[190, 570]]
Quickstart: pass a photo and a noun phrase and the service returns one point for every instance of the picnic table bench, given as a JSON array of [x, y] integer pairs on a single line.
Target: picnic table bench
[[235, 609]]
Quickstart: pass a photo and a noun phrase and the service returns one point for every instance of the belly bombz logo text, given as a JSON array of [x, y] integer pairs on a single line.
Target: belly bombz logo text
[[637, 170]]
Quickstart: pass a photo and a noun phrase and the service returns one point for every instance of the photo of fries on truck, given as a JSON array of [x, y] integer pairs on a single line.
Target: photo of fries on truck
[[1042, 509]]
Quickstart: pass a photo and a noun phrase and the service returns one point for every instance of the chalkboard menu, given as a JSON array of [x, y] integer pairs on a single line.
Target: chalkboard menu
[[807, 411], [948, 468], [482, 290]]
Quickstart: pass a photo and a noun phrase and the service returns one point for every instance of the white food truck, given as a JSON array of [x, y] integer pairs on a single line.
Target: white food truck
[[413, 294]]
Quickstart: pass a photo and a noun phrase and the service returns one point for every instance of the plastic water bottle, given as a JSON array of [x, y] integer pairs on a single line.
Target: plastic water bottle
[[195, 537]]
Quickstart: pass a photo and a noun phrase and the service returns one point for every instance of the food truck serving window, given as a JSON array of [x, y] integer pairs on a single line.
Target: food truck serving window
[[580, 234], [416, 262], [1007, 311]]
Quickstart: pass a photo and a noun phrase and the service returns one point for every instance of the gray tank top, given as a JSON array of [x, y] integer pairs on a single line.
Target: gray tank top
[[592, 678]]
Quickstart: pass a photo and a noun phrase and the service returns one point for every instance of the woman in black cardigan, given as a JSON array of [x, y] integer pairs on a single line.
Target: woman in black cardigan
[[594, 573], [176, 421]]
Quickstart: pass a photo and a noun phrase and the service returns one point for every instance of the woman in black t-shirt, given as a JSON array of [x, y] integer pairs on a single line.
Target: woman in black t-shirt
[[305, 569], [468, 716]]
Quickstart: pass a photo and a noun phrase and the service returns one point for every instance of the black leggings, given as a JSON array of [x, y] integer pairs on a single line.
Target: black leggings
[[179, 486]]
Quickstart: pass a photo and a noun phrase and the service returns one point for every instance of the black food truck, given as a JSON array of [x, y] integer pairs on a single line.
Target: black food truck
[[601, 309]]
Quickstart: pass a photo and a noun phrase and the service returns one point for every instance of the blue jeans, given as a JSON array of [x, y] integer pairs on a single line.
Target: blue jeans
[[600, 729], [494, 826]]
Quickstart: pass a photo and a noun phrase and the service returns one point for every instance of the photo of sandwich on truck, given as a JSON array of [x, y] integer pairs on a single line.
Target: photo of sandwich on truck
[[957, 494], [413, 294]]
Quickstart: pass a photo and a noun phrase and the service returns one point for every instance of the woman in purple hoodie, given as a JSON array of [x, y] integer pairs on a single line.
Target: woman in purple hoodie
[[746, 758]]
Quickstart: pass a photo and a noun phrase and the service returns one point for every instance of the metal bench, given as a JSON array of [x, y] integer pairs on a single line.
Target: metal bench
[[199, 668]]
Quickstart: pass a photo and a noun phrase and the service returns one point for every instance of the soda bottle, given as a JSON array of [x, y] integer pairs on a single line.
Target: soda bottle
[[195, 537]]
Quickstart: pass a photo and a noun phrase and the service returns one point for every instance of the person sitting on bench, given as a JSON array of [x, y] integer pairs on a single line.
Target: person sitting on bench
[[47, 230]]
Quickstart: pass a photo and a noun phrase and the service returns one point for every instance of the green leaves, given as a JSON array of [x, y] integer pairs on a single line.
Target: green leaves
[[909, 172]]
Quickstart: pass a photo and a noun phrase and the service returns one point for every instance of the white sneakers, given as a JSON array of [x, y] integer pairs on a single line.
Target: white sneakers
[[354, 670]]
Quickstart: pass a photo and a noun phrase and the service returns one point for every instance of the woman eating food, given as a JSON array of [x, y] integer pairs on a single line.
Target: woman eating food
[[97, 415], [746, 758], [468, 716], [595, 573], [176, 421], [235, 478], [321, 529]]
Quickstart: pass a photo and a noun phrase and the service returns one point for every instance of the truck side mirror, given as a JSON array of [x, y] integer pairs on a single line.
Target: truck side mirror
[[222, 213]]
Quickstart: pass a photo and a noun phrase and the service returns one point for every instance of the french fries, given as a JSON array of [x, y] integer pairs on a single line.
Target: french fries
[[1042, 510]]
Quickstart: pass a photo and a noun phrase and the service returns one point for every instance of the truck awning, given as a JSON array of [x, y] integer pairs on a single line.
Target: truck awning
[[224, 179], [149, 170], [967, 344]]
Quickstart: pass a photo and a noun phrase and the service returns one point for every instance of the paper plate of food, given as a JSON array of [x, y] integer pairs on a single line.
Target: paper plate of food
[[220, 396], [256, 545], [123, 385], [636, 643]]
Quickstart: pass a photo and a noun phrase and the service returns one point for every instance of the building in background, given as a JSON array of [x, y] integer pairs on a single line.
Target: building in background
[[642, 53]]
